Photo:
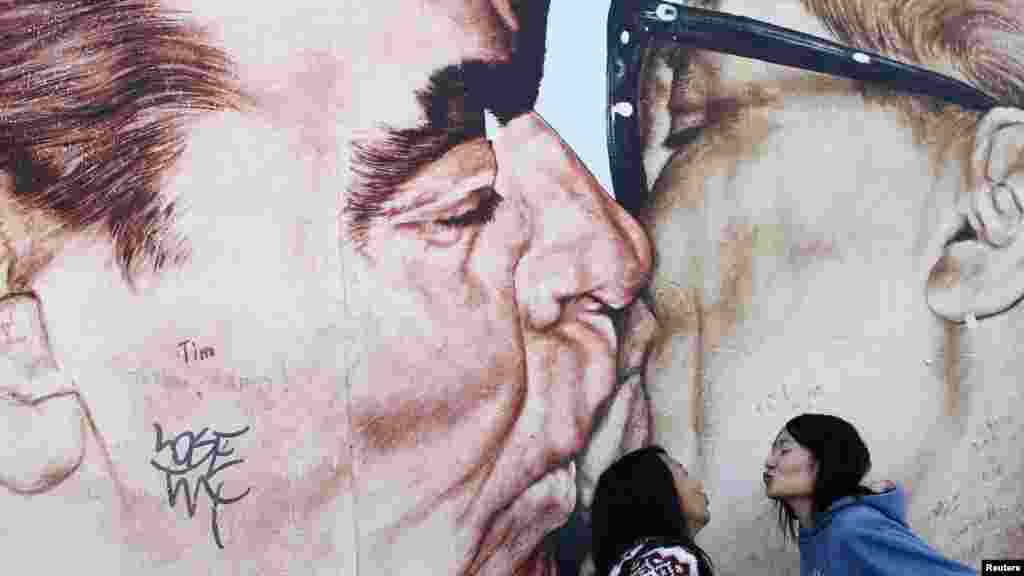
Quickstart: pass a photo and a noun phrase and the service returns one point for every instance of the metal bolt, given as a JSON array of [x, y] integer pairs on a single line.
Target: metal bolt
[[666, 12]]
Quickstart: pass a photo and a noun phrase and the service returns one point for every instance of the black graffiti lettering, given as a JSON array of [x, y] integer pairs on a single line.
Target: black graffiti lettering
[[209, 447], [191, 352]]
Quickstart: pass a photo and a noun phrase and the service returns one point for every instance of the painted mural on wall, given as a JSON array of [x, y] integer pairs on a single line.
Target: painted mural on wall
[[309, 287], [279, 296]]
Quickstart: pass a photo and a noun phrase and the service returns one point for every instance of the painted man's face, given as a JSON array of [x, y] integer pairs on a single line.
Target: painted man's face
[[795, 227], [431, 336], [789, 226]]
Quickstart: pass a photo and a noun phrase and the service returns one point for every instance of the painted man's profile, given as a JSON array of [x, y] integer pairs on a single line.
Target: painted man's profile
[[827, 243], [267, 256]]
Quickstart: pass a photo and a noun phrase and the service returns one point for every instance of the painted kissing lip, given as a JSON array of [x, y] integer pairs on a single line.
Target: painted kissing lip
[[601, 318]]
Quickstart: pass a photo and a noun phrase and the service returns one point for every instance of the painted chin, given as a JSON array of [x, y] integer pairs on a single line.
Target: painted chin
[[537, 499], [512, 538]]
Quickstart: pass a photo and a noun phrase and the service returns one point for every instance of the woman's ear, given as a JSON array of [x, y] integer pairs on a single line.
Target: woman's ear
[[981, 273]]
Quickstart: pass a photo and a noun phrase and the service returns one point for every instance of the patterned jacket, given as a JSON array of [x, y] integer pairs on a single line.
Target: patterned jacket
[[652, 558]]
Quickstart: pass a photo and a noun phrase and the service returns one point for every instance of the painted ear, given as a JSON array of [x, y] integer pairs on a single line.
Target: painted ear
[[42, 420], [43, 427], [981, 271]]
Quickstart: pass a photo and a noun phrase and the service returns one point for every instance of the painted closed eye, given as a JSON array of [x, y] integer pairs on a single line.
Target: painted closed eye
[[684, 137], [448, 230], [688, 114], [482, 214]]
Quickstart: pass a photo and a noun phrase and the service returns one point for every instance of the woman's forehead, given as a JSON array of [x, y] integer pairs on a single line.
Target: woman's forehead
[[783, 436]]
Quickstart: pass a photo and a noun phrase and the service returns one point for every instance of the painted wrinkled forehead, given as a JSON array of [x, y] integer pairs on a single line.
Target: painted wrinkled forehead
[[684, 90], [339, 56]]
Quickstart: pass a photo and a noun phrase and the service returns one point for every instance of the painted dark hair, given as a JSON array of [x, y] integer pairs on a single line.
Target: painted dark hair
[[636, 498], [842, 459], [95, 96]]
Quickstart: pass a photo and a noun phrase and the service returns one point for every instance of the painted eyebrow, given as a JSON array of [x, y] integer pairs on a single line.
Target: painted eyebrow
[[453, 103]]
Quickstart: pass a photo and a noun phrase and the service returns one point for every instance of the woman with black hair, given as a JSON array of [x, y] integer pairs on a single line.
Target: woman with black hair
[[814, 474], [645, 513]]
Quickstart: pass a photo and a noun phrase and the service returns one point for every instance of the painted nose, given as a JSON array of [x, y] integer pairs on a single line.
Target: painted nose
[[581, 255], [581, 242]]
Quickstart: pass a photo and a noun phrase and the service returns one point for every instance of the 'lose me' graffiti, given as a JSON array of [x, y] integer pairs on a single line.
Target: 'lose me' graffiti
[[182, 449]]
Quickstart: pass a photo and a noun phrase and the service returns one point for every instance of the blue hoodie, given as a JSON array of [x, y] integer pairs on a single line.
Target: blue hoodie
[[869, 536]]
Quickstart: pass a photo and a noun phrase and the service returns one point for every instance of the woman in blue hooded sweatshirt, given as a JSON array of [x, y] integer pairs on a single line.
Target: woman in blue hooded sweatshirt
[[814, 473]]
